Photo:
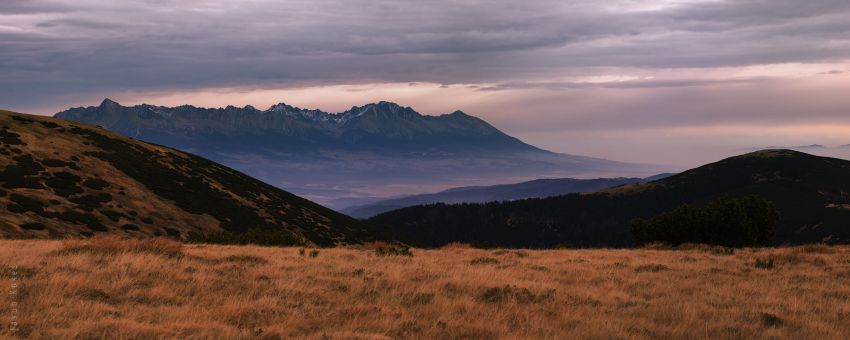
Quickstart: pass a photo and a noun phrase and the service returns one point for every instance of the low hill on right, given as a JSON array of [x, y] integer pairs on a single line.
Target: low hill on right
[[811, 193]]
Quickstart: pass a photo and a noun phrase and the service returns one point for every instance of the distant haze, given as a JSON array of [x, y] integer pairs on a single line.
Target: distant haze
[[375, 150], [677, 82]]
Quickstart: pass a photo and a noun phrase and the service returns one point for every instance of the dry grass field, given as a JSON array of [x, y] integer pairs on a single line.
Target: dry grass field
[[119, 289]]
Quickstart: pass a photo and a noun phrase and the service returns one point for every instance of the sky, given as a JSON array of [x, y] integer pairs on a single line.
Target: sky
[[678, 82]]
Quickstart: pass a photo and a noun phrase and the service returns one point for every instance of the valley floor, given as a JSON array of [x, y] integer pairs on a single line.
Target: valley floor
[[109, 288]]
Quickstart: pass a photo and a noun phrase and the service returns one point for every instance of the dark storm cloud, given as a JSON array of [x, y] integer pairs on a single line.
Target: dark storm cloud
[[53, 50]]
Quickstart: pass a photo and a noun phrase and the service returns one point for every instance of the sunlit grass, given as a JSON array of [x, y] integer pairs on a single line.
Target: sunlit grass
[[111, 288]]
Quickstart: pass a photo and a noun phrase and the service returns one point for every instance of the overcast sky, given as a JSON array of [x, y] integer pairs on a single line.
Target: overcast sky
[[666, 81]]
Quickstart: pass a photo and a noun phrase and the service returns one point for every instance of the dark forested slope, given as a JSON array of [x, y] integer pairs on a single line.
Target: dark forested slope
[[810, 193]]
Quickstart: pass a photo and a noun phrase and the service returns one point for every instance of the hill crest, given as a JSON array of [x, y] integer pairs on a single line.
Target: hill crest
[[68, 179], [810, 193]]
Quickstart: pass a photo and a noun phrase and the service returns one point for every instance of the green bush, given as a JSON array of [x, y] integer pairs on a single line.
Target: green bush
[[729, 222]]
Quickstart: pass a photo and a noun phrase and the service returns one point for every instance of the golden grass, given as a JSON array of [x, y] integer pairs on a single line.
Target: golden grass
[[111, 288]]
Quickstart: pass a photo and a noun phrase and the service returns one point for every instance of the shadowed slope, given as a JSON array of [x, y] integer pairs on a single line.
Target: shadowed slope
[[67, 179]]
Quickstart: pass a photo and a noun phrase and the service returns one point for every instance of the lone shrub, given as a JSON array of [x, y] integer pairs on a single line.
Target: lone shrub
[[247, 259], [723, 251], [651, 268], [419, 299], [764, 264], [483, 260], [95, 183], [513, 293], [818, 248], [393, 250], [383, 248], [33, 226], [770, 320], [729, 222]]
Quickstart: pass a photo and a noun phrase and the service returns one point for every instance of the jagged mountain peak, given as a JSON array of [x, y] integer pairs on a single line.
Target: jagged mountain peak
[[377, 125], [247, 109], [109, 103], [383, 105], [283, 107], [382, 109]]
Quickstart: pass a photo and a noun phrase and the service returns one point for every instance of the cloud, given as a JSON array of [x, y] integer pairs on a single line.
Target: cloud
[[762, 102], [628, 84], [63, 49], [618, 78]]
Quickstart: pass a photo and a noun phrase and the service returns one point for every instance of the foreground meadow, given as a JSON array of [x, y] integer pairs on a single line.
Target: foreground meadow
[[109, 288]]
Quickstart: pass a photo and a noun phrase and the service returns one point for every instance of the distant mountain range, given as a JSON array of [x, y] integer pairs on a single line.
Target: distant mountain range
[[64, 179], [810, 193], [376, 150], [377, 127], [505, 192]]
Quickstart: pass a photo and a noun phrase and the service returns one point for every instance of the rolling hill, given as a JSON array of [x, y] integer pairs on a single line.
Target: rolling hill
[[63, 179], [376, 150], [810, 193], [481, 194]]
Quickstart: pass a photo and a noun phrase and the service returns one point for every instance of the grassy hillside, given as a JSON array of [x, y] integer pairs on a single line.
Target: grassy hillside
[[60, 179], [810, 193], [108, 288]]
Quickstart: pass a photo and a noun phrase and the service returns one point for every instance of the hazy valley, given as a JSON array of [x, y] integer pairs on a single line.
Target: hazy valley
[[376, 150], [481, 194]]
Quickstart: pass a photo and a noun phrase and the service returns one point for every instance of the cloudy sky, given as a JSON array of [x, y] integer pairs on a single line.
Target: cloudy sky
[[668, 81]]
